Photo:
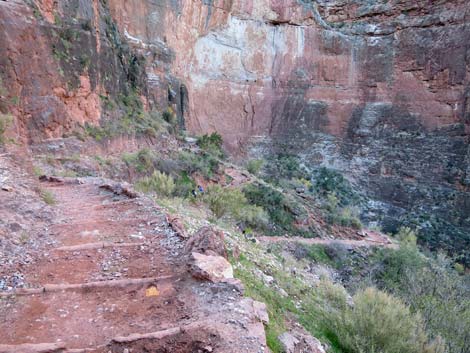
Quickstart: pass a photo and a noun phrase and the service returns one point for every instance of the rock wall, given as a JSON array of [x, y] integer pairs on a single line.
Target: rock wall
[[377, 89]]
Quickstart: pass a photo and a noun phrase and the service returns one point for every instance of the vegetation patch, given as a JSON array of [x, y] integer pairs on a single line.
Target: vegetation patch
[[160, 183], [376, 322], [280, 209], [278, 306], [346, 216], [328, 181], [284, 167], [232, 202], [254, 166], [5, 121], [47, 196]]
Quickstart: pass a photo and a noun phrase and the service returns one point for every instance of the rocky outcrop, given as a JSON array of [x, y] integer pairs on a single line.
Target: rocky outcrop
[[378, 90]]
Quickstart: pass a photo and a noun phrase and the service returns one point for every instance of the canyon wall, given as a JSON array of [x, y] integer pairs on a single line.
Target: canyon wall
[[377, 89]]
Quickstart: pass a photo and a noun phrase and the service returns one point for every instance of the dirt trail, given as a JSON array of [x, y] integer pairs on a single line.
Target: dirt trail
[[369, 239], [116, 278]]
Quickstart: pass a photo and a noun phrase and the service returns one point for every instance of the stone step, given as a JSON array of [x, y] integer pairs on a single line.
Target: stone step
[[33, 348], [92, 262], [47, 288], [126, 340], [98, 245], [89, 315]]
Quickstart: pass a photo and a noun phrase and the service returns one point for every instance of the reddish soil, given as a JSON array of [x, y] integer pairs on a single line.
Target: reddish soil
[[89, 289]]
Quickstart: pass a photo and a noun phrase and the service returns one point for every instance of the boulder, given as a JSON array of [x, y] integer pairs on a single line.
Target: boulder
[[208, 241], [213, 268]]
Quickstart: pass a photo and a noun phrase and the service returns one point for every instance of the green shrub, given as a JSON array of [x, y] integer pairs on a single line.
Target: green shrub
[[442, 296], [229, 201], [328, 181], [254, 166], [317, 253], [406, 236], [223, 201], [252, 216], [5, 122], [158, 182], [211, 144], [47, 197], [375, 323], [184, 184], [285, 166], [279, 209], [346, 216], [169, 116], [209, 141], [394, 264], [143, 161], [459, 268], [205, 164]]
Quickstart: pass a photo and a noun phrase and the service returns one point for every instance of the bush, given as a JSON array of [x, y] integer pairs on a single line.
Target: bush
[[345, 216], [443, 298], [314, 252], [375, 323], [209, 141], [5, 121], [276, 205], [285, 166], [143, 161], [47, 197], [406, 236], [211, 144], [328, 181], [223, 201], [169, 116], [254, 166], [227, 201], [348, 218], [394, 264], [184, 184], [253, 216], [158, 182], [205, 164]]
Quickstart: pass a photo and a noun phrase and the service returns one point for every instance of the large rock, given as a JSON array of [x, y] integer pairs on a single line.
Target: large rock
[[208, 241], [213, 268]]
